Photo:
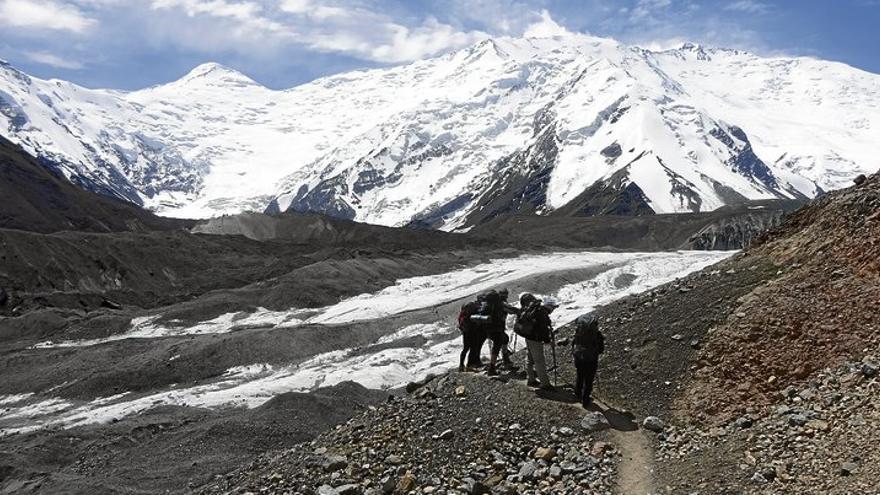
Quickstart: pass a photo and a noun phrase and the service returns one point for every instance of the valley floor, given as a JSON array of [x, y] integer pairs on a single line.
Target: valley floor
[[98, 393]]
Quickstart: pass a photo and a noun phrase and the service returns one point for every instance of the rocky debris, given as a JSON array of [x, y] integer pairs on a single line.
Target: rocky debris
[[653, 423], [820, 437], [498, 437]]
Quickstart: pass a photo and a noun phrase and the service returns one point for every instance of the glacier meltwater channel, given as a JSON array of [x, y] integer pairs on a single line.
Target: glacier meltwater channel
[[392, 361]]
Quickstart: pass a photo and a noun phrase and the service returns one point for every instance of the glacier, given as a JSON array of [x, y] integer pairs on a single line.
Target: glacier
[[418, 307]]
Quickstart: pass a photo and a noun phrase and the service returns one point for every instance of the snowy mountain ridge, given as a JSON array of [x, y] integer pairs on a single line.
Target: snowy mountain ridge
[[574, 124]]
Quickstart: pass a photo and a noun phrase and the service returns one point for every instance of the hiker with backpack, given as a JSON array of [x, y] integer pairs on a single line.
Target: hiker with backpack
[[481, 319], [472, 337], [534, 325], [586, 346], [497, 331]]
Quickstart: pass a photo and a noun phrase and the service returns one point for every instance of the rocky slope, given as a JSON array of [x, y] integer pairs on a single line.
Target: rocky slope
[[36, 200], [727, 228], [504, 126]]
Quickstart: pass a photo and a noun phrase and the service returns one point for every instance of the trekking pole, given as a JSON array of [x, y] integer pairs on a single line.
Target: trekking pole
[[515, 335], [555, 365]]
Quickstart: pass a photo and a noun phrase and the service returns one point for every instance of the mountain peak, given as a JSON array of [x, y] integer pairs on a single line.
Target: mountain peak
[[217, 74]]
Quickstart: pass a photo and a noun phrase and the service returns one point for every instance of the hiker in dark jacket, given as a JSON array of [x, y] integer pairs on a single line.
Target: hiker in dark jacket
[[471, 340], [480, 323], [540, 334], [586, 346], [497, 331]]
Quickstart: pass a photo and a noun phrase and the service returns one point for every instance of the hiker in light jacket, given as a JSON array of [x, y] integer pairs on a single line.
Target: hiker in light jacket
[[540, 334]]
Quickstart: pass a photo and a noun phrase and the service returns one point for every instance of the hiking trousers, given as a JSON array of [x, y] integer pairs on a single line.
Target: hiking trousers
[[472, 342], [536, 365], [586, 374], [500, 339]]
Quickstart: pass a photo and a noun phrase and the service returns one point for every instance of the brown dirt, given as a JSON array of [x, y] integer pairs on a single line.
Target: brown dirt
[[822, 309]]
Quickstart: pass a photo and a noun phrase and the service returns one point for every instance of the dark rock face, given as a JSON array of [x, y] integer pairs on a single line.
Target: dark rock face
[[735, 232], [611, 151], [332, 196], [437, 217], [522, 188], [614, 196], [324, 199], [684, 189], [745, 161], [16, 116]]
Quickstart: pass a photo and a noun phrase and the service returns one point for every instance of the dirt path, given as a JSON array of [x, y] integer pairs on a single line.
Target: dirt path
[[635, 473]]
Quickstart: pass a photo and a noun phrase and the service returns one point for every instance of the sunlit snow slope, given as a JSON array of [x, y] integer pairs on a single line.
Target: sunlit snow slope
[[506, 125]]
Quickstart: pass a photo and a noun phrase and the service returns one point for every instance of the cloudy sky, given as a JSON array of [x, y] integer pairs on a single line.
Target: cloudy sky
[[136, 43]]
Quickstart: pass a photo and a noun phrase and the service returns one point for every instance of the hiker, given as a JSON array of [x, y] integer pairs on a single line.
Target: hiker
[[472, 337], [586, 346], [474, 321], [496, 330], [535, 326]]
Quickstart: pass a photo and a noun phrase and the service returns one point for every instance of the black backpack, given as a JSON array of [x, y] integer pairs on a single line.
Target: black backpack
[[525, 322], [588, 341]]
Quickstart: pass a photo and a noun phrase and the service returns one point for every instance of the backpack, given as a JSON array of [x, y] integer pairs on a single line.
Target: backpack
[[525, 322], [588, 341], [464, 314]]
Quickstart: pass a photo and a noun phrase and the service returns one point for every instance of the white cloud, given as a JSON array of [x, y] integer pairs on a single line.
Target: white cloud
[[646, 8], [545, 28], [659, 45], [52, 60], [430, 38], [748, 6], [370, 35], [44, 14]]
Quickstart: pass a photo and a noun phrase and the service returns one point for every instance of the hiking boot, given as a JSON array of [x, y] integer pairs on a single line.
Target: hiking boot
[[461, 368]]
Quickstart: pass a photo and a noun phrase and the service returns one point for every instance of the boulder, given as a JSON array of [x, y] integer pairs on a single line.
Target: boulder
[[527, 470], [545, 453], [653, 423], [595, 421], [332, 463]]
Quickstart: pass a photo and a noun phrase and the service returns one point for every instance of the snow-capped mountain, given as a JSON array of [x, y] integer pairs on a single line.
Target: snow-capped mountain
[[573, 124]]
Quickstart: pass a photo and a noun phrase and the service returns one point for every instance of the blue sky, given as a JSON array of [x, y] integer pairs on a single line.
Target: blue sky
[[131, 44]]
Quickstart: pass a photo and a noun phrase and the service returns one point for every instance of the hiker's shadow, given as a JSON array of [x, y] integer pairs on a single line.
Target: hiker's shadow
[[619, 420], [558, 394]]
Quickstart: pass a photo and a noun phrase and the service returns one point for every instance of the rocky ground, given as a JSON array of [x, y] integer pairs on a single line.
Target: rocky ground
[[459, 433], [170, 449], [818, 437]]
